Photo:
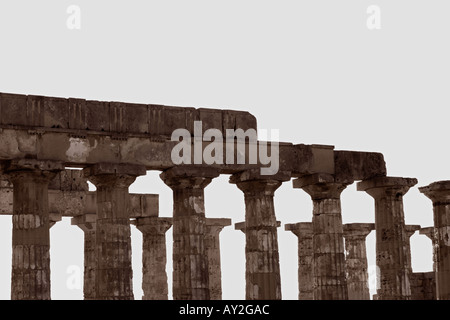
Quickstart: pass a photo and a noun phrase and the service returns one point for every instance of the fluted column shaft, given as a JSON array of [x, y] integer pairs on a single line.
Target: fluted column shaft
[[304, 233], [356, 260], [439, 193], [113, 273], [328, 241], [263, 280], [391, 239], [30, 278], [154, 256], [190, 262]]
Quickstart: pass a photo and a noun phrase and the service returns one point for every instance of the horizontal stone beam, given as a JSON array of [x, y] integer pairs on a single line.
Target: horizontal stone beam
[[80, 133], [118, 117], [66, 180], [84, 148], [76, 203], [350, 165]]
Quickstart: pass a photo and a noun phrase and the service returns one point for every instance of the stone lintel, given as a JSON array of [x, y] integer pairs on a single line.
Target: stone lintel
[[355, 165], [79, 203], [65, 180], [255, 175], [386, 182]]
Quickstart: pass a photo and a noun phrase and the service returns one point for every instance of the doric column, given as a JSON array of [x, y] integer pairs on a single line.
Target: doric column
[[430, 233], [190, 262], [30, 235], [304, 233], [113, 273], [439, 193], [328, 241], [356, 260], [410, 229], [154, 276], [212, 245], [391, 239], [87, 223], [263, 280]]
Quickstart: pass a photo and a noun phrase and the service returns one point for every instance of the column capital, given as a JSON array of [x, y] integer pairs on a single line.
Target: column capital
[[53, 218], [429, 232], [321, 186], [85, 222], [189, 176], [241, 226], [113, 174], [300, 229], [255, 175], [43, 170], [381, 186], [153, 225], [215, 225], [410, 229], [358, 230], [437, 191], [251, 181]]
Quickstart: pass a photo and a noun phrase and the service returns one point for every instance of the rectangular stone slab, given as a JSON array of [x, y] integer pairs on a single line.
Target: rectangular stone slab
[[76, 203]]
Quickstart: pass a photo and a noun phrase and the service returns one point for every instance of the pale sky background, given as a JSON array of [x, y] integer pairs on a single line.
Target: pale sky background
[[311, 69]]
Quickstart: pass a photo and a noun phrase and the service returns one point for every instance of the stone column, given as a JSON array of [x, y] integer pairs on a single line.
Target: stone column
[[113, 273], [87, 223], [263, 280], [30, 235], [430, 233], [190, 262], [410, 229], [356, 260], [154, 276], [328, 241], [439, 193], [212, 245], [304, 233], [391, 239]]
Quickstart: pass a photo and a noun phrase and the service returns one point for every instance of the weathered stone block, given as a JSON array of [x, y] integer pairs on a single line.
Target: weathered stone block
[[56, 113], [13, 109], [97, 116]]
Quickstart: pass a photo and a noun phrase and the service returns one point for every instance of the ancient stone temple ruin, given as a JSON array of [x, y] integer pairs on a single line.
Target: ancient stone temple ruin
[[41, 138]]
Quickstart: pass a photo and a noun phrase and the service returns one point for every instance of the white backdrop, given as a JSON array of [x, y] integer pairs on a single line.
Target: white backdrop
[[311, 69]]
